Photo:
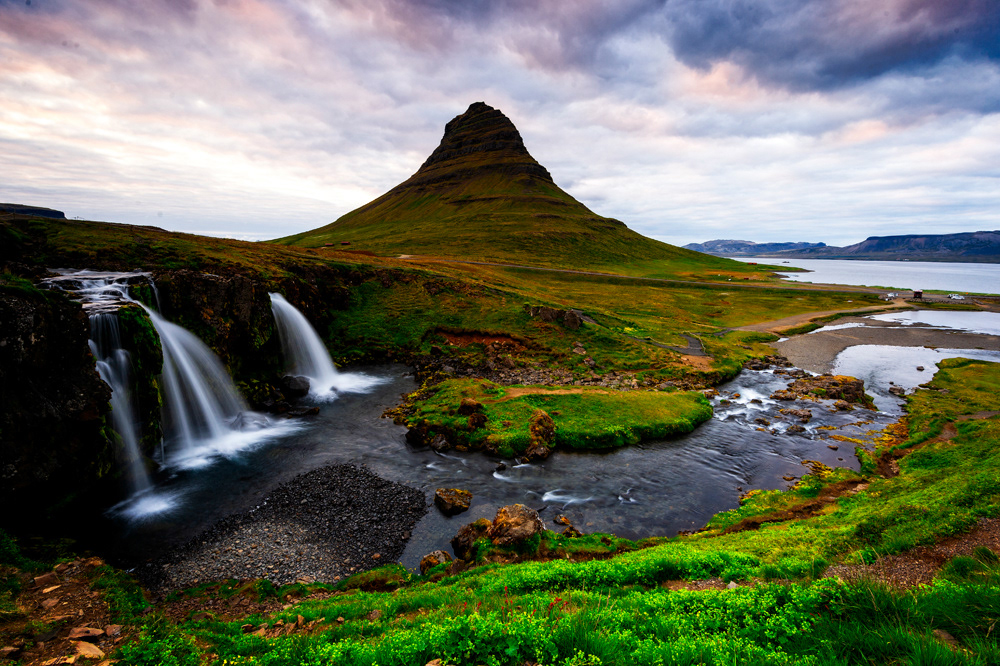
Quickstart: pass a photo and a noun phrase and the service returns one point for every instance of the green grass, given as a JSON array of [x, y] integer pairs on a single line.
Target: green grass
[[584, 418], [615, 603]]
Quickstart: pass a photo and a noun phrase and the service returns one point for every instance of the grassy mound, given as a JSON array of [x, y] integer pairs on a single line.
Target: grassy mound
[[583, 417]]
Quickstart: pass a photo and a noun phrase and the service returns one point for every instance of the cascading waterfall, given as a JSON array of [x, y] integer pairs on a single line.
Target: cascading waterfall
[[306, 355], [203, 415], [115, 367]]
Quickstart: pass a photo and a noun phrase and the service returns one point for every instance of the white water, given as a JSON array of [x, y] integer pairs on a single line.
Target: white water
[[307, 356], [204, 416], [115, 367]]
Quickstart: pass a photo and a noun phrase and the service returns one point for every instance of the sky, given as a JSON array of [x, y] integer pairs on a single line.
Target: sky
[[689, 120]]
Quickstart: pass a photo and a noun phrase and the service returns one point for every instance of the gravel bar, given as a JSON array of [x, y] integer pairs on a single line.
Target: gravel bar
[[320, 526]]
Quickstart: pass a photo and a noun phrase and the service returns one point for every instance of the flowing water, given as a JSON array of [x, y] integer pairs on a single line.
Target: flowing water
[[114, 364], [655, 488], [307, 356]]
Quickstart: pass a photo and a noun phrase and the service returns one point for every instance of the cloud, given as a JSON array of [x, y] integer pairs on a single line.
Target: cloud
[[678, 117]]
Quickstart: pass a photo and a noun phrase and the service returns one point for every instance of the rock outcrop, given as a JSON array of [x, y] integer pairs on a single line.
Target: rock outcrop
[[53, 438]]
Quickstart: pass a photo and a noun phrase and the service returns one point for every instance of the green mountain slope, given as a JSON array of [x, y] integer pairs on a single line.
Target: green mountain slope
[[481, 195]]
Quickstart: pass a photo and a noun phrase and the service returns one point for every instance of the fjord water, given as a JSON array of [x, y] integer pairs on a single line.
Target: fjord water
[[938, 275]]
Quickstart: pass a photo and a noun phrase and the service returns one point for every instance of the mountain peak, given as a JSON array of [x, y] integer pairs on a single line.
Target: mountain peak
[[481, 138]]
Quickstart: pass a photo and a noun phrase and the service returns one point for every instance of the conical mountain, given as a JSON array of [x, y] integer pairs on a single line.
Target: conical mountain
[[481, 195]]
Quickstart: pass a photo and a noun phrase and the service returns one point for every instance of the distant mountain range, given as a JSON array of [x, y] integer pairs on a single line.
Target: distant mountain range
[[975, 246]]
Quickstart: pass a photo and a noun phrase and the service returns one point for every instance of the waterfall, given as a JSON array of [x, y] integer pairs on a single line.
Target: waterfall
[[115, 367], [304, 352], [306, 355]]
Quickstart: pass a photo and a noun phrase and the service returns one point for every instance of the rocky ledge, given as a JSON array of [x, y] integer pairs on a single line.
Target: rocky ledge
[[320, 526]]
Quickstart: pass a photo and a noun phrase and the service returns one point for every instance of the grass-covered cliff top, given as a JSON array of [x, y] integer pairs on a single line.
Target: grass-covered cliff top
[[659, 601], [372, 307]]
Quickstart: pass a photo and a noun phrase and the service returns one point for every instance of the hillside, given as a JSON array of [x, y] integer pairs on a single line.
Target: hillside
[[974, 246], [481, 195]]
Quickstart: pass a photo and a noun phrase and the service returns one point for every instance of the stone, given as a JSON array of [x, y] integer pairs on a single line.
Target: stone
[[732, 585], [469, 406], [85, 633], [803, 415], [476, 421], [374, 615], [9, 652], [463, 542], [784, 394], [920, 368], [295, 387], [541, 427], [832, 387], [439, 443], [46, 580], [49, 604], [572, 532], [113, 630], [897, 391], [842, 406], [572, 319], [433, 559], [88, 650], [452, 501], [795, 428], [514, 524]]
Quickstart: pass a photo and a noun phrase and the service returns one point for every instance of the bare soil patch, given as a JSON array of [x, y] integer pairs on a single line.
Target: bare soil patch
[[920, 565]]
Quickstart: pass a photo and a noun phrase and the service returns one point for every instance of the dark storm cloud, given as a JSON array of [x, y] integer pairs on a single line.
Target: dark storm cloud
[[800, 44], [821, 45]]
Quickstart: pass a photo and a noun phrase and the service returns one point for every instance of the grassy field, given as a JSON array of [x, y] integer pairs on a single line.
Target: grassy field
[[634, 608]]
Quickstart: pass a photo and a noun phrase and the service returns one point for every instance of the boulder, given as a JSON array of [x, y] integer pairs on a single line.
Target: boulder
[[452, 501], [542, 427], [832, 387], [897, 391], [85, 634], [463, 542], [476, 421], [785, 394], [295, 387], [470, 406], [514, 524], [804, 415], [439, 443], [431, 560]]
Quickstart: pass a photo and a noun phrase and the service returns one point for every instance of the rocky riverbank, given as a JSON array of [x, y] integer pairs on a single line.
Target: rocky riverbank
[[320, 526], [817, 351]]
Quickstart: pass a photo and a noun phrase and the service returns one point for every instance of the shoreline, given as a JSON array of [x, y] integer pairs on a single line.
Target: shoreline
[[817, 351], [323, 525]]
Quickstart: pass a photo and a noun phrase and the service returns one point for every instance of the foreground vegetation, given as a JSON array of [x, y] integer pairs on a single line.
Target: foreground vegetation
[[633, 608]]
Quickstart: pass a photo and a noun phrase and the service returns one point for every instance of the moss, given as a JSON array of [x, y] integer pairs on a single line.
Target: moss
[[140, 338]]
